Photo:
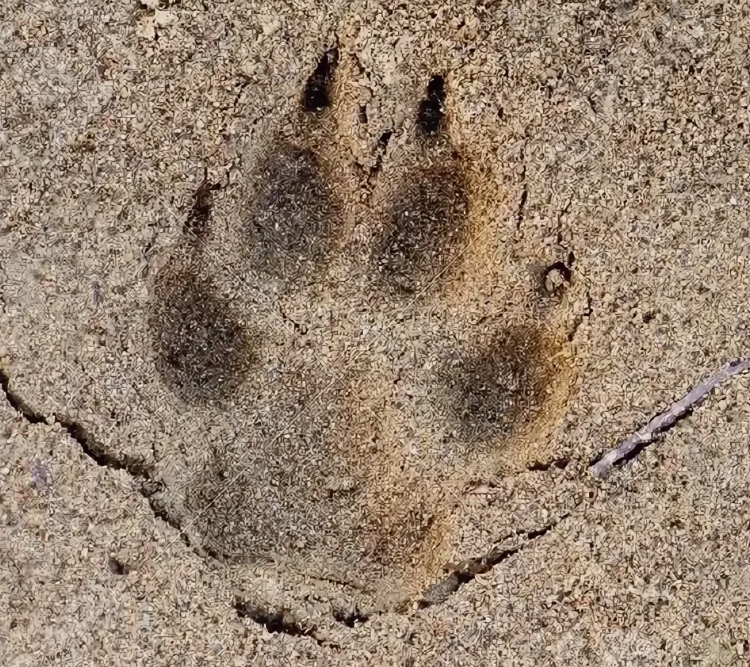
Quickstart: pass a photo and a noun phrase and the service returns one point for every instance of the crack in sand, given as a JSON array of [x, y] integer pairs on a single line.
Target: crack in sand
[[280, 620], [134, 466], [137, 468], [469, 569]]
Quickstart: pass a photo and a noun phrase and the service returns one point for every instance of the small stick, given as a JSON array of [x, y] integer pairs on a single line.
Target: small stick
[[668, 418]]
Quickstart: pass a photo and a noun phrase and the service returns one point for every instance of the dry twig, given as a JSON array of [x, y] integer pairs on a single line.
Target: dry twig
[[667, 419]]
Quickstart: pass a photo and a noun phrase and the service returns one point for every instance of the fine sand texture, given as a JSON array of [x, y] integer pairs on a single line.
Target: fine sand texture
[[315, 316]]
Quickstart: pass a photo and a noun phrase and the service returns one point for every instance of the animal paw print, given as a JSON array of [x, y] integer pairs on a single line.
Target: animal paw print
[[353, 348]]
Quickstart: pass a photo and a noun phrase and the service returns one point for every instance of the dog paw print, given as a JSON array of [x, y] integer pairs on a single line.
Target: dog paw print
[[356, 354]]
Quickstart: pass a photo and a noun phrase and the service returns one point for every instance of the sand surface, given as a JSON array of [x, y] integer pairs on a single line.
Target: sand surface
[[315, 314]]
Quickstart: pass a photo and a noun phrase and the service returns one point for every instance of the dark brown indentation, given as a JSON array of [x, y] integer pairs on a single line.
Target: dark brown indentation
[[196, 224], [274, 620], [556, 277], [432, 109], [316, 94], [202, 350], [426, 224], [351, 618], [551, 281], [500, 385], [291, 223], [118, 567]]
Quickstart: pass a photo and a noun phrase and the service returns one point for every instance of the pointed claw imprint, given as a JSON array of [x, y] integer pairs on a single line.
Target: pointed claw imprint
[[316, 94], [432, 108]]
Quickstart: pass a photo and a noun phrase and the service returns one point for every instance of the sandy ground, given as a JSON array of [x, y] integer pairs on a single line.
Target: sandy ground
[[224, 443]]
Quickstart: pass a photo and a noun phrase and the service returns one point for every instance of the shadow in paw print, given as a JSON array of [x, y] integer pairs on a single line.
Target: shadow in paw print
[[261, 495], [427, 218], [202, 350], [293, 212], [502, 383]]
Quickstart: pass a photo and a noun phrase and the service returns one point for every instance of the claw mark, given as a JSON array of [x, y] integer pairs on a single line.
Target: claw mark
[[118, 567], [196, 224], [351, 618], [432, 108], [316, 95], [521, 213]]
